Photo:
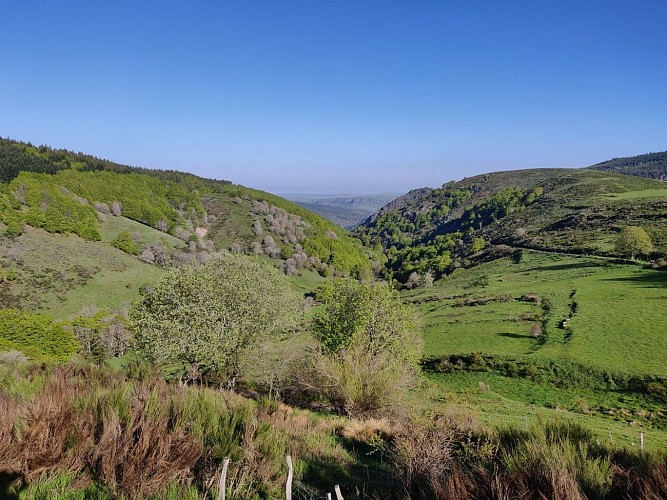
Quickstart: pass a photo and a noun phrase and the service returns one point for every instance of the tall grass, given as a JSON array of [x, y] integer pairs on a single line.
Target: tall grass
[[552, 460], [87, 432], [93, 431]]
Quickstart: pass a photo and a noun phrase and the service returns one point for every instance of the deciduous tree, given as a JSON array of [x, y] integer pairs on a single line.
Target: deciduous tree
[[206, 315], [632, 241]]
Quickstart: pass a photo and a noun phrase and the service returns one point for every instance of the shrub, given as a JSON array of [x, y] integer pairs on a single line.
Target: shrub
[[204, 316], [369, 346], [35, 335], [125, 243], [368, 315], [356, 383]]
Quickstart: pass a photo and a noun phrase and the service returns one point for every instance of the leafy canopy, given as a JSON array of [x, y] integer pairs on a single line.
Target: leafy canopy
[[369, 316], [633, 241], [206, 315], [35, 335]]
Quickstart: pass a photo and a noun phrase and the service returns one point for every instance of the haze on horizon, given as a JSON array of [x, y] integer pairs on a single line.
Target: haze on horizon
[[315, 97]]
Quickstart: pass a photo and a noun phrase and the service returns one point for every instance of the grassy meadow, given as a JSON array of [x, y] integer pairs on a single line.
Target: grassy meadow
[[491, 309], [513, 312], [62, 274]]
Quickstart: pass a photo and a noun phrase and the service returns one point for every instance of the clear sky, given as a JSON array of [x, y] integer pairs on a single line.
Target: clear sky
[[337, 96]]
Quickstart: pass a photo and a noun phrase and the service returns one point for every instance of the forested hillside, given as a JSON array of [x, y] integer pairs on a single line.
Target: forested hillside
[[483, 217], [651, 165], [65, 192], [82, 238]]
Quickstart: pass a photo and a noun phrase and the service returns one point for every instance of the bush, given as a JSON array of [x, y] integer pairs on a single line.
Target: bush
[[369, 346], [35, 335], [369, 316], [125, 243], [204, 316], [356, 383]]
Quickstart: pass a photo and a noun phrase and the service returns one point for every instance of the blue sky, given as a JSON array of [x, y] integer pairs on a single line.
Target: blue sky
[[337, 96]]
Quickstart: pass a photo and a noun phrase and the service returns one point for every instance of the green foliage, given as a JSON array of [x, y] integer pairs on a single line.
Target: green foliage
[[477, 245], [423, 235], [74, 183], [144, 198], [16, 157], [370, 316], [35, 335], [564, 210], [125, 243], [369, 345], [206, 315], [39, 202], [633, 241]]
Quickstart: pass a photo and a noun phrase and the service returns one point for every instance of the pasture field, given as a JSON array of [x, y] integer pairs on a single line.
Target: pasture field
[[615, 322], [615, 312], [500, 402], [62, 274]]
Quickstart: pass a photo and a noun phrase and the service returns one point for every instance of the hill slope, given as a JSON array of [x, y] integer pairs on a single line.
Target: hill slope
[[563, 210], [651, 165], [140, 220]]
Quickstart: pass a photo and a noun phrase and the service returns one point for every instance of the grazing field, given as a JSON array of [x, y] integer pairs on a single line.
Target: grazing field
[[554, 335], [614, 312], [617, 419], [60, 275]]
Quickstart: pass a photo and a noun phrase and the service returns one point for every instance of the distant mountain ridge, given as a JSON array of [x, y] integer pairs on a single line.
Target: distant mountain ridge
[[345, 210], [650, 165]]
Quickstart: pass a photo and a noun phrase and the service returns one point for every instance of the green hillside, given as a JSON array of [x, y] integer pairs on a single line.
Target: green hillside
[[651, 165], [65, 192], [63, 274], [561, 210], [537, 335], [81, 239], [551, 332]]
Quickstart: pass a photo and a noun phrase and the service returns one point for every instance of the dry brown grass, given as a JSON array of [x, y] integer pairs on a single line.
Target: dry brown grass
[[136, 438], [8, 440], [64, 430], [423, 457], [646, 480], [365, 431]]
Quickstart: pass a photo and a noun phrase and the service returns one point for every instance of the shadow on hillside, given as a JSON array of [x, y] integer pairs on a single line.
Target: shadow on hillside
[[648, 279], [514, 335], [566, 267]]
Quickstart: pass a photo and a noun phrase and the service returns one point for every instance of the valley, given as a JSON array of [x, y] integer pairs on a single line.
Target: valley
[[346, 210], [517, 303]]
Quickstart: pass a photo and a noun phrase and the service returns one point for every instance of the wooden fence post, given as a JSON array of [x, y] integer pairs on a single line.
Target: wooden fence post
[[339, 495], [641, 441], [223, 479], [328, 496], [290, 475]]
